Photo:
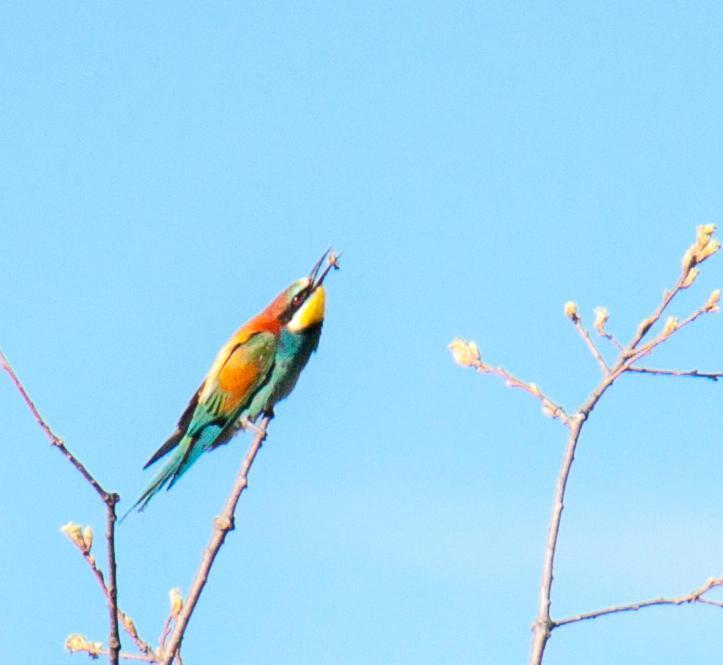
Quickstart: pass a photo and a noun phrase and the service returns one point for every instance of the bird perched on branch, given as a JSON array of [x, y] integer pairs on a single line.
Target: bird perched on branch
[[298, 340], [255, 369]]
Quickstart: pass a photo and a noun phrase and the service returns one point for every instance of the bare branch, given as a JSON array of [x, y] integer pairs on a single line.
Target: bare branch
[[646, 324], [543, 624], [704, 248], [123, 655], [672, 326], [591, 345], [695, 596], [549, 408], [466, 353], [114, 638], [55, 440], [165, 631], [110, 499], [222, 525], [712, 376], [83, 541]]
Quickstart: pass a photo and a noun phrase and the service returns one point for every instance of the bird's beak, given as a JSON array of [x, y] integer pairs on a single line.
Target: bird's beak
[[317, 266], [332, 258]]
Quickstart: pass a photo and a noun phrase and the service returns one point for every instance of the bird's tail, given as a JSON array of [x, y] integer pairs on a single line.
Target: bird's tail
[[185, 454]]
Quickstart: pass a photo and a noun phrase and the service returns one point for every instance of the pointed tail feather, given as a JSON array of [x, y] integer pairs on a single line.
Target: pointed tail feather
[[170, 443], [177, 464], [187, 450]]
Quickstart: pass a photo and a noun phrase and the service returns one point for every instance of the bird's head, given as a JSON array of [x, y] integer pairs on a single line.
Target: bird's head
[[302, 304]]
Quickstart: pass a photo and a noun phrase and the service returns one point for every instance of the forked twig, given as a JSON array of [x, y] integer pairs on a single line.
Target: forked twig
[[694, 373], [110, 499], [467, 354], [222, 525], [695, 596]]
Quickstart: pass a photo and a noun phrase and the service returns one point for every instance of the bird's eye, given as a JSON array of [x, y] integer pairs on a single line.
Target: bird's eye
[[296, 300]]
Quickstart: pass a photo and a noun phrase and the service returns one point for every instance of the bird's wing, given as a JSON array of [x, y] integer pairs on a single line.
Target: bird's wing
[[214, 408], [238, 370]]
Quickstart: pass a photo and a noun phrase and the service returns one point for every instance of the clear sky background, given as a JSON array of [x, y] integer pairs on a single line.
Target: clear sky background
[[167, 168]]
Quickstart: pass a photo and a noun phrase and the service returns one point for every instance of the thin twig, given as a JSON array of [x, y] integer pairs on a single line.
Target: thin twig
[[695, 596], [612, 339], [55, 440], [710, 601], [549, 408], [94, 653], [591, 345], [130, 628], [632, 356], [712, 376], [648, 323], [165, 630], [125, 620], [114, 639], [109, 499], [543, 625], [466, 354], [222, 525]]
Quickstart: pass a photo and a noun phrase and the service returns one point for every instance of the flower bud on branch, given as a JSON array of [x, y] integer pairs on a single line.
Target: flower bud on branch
[[713, 302], [703, 248], [601, 318], [176, 599], [465, 353], [571, 312], [76, 643], [80, 537]]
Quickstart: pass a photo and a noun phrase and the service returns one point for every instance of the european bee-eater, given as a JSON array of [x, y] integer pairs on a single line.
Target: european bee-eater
[[298, 340], [244, 366]]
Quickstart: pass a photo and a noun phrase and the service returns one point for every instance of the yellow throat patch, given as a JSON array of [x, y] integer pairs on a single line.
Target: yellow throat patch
[[311, 312]]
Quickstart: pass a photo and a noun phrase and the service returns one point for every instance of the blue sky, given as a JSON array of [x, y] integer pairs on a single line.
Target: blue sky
[[168, 168]]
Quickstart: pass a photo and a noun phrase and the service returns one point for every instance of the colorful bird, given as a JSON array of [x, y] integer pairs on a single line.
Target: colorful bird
[[298, 340], [243, 366]]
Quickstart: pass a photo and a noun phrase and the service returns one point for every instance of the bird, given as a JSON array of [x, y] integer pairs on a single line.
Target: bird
[[243, 368], [299, 338]]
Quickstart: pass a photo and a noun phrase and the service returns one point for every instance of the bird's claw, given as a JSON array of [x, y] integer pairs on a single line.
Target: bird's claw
[[247, 424]]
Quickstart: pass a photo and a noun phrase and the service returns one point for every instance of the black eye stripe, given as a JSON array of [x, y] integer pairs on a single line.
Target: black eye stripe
[[298, 297]]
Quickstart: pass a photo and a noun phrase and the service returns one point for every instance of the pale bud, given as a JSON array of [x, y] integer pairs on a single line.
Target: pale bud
[[464, 353], [689, 259], [703, 234], [570, 310], [601, 318], [534, 389], [129, 625], [713, 301], [88, 539], [95, 649], [74, 533], [76, 642], [176, 599], [549, 409], [703, 247], [671, 325], [711, 248], [690, 277]]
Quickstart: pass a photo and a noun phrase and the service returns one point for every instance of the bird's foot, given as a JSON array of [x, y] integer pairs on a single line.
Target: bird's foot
[[249, 424]]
